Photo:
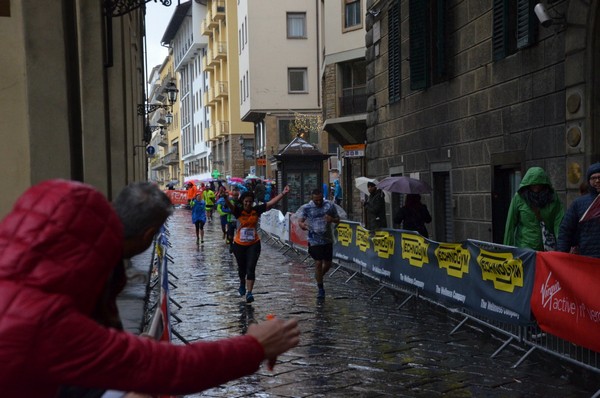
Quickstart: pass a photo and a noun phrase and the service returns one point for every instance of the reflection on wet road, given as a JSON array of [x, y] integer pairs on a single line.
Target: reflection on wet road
[[350, 346]]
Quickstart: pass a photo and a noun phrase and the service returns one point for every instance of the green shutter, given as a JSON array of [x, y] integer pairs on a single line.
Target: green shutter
[[499, 30], [440, 41], [394, 59], [526, 23], [419, 44]]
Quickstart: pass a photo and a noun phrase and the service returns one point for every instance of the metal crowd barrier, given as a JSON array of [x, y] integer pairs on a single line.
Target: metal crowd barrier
[[158, 319], [525, 338]]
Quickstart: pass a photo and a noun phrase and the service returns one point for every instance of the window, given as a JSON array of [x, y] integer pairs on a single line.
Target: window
[[427, 47], [285, 135], [352, 14], [297, 80], [296, 25], [353, 99], [394, 56], [514, 26]]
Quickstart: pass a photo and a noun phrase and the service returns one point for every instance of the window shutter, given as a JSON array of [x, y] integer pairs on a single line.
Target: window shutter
[[499, 33], [526, 23], [419, 44], [394, 61], [440, 41]]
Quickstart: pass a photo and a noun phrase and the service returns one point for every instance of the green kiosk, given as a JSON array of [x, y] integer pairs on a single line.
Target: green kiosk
[[299, 165]]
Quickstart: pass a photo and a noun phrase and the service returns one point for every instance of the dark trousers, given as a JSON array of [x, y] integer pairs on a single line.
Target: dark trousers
[[247, 258]]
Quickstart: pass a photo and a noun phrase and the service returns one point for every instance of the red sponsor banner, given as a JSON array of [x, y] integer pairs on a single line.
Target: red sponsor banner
[[178, 197], [565, 297]]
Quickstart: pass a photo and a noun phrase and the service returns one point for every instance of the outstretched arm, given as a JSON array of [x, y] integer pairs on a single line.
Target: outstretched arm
[[278, 197], [228, 202]]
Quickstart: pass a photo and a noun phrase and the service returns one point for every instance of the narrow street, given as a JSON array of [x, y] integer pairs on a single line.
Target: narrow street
[[350, 346]]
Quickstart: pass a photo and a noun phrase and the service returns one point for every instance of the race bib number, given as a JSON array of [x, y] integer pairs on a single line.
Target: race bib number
[[247, 234]]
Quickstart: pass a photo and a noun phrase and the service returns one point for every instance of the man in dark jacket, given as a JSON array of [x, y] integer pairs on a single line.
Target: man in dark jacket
[[585, 236], [375, 207]]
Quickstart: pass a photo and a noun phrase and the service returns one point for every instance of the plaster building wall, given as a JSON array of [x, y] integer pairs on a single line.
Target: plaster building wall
[[485, 116]]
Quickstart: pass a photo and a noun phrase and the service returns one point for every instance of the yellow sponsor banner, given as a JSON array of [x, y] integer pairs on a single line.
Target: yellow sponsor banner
[[505, 271], [454, 258], [344, 232], [383, 244], [362, 239], [414, 248]]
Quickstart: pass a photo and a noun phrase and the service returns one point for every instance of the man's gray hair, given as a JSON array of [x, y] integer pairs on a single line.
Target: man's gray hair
[[142, 205]]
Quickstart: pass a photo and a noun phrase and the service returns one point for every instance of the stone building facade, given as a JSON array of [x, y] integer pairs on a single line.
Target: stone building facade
[[467, 95]]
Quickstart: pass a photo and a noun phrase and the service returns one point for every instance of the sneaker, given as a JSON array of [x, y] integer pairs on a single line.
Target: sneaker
[[242, 290], [197, 240], [321, 294], [201, 241], [249, 297]]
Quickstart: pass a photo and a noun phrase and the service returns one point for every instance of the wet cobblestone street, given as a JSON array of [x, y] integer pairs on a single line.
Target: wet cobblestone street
[[350, 346]]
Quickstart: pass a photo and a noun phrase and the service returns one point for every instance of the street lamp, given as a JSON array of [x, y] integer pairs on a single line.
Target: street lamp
[[169, 118], [172, 91]]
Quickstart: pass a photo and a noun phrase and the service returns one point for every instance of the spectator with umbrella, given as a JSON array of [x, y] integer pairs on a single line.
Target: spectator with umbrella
[[413, 215], [375, 207]]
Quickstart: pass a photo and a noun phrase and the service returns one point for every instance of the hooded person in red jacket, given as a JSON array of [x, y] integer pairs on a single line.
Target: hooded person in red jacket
[[58, 248]]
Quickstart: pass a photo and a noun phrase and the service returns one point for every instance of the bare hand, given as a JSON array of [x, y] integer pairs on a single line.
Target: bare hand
[[285, 190], [276, 336]]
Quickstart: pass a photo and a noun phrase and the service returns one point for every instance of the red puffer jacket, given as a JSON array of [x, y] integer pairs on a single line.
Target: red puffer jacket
[[57, 249]]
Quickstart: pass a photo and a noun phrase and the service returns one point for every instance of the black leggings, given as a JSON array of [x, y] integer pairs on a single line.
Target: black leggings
[[199, 226], [247, 258]]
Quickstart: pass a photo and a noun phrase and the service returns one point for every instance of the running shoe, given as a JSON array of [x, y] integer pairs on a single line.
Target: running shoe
[[321, 294], [249, 297], [242, 290]]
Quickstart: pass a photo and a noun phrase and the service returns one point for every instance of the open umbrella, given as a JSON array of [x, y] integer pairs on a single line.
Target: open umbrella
[[252, 177], [404, 184], [361, 183]]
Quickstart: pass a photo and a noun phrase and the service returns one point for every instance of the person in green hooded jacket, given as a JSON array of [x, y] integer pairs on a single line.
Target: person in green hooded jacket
[[535, 196]]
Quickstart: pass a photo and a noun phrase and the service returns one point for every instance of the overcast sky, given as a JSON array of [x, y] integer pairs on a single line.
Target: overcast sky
[[157, 18]]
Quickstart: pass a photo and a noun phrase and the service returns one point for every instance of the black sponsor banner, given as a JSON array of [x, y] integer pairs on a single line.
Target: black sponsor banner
[[493, 280]]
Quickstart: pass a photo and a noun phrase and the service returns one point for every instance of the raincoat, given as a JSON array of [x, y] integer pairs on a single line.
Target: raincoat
[[522, 226], [56, 255]]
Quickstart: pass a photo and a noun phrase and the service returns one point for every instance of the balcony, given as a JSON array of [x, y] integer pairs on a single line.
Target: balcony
[[211, 132], [222, 128], [220, 48], [222, 89], [211, 23], [206, 65], [162, 140], [204, 29], [210, 60], [353, 101], [158, 164], [218, 10], [171, 158], [211, 101]]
